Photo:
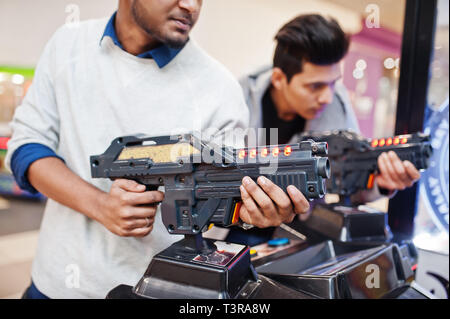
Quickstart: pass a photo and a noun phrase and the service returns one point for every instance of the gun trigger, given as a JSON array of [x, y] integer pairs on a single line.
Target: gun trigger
[[235, 218], [370, 182]]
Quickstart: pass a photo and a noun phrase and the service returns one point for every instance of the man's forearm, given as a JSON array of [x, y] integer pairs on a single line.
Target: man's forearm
[[365, 196], [54, 179], [370, 195]]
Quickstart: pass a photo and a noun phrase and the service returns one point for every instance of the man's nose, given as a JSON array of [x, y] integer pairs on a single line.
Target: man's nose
[[190, 5], [326, 96]]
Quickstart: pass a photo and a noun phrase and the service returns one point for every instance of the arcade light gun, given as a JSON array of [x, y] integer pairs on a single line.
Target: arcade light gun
[[353, 158], [201, 188], [353, 161]]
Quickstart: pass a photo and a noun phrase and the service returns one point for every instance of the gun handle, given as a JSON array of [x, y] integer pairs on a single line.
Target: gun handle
[[227, 213]]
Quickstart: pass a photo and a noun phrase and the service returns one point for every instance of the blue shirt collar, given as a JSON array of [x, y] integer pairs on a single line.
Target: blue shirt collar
[[162, 54]]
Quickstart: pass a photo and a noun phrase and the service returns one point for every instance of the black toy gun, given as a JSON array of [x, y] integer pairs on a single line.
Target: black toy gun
[[353, 158], [202, 181]]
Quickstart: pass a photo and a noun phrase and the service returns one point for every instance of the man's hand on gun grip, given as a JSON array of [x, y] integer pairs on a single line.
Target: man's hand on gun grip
[[394, 174], [128, 210], [265, 204]]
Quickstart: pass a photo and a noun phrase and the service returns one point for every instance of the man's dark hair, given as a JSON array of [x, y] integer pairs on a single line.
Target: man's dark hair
[[311, 38]]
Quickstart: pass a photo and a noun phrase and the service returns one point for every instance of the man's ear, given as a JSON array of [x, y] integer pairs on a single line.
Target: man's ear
[[279, 79]]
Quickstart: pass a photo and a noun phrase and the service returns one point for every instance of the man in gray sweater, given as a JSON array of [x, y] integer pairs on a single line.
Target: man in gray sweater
[[302, 91], [137, 72]]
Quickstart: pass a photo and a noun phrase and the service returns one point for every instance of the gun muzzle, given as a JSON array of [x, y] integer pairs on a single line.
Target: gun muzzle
[[426, 151], [323, 167]]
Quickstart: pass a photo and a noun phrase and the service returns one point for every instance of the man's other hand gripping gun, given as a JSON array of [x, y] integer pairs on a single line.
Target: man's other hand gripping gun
[[202, 180]]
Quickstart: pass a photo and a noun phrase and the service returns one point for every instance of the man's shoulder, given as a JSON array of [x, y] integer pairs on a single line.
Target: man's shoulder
[[257, 74], [195, 57], [85, 26], [255, 83], [84, 32]]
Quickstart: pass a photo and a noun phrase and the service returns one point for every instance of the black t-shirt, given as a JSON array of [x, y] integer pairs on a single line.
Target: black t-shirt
[[270, 119]]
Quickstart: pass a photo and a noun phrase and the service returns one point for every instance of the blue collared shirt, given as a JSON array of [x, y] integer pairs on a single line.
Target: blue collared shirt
[[27, 154], [162, 54]]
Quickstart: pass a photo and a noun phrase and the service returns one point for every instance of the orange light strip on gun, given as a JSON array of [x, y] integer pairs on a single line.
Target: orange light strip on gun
[[375, 143], [276, 151], [235, 217], [287, 151], [370, 182], [396, 140], [264, 152], [388, 141]]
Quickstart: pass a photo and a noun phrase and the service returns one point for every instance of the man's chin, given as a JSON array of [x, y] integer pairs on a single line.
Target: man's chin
[[176, 42], [315, 114]]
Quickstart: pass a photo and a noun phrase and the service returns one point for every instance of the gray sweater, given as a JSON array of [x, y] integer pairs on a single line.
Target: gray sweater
[[86, 93]]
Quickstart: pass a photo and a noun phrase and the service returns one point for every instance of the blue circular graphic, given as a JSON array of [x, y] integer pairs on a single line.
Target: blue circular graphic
[[277, 242], [434, 182]]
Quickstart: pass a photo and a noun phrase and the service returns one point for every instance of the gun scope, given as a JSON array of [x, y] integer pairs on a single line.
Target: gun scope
[[319, 149]]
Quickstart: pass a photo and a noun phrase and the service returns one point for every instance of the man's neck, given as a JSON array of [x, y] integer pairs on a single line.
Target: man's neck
[[133, 39], [281, 105]]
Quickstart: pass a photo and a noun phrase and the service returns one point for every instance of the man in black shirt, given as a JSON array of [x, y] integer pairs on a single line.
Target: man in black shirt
[[302, 92]]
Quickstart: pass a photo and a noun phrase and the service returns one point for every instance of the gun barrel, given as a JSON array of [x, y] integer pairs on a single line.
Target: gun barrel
[[323, 167], [415, 148]]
